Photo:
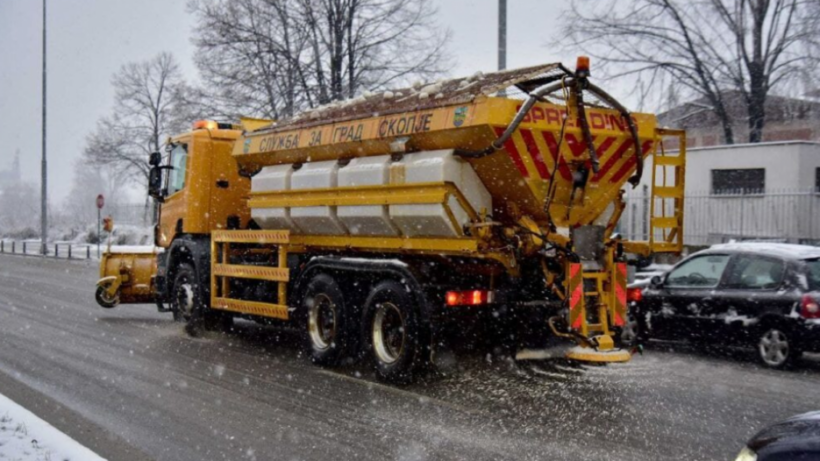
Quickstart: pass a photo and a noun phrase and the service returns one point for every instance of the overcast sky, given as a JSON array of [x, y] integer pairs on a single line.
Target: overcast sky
[[88, 40]]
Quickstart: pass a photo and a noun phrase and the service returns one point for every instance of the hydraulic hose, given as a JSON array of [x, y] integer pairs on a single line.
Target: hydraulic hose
[[544, 90], [498, 144], [633, 130]]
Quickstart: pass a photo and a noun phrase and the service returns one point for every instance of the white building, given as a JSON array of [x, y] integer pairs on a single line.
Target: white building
[[768, 191]]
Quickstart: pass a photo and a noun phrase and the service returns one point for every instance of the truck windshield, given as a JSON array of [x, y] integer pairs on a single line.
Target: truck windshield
[[179, 160]]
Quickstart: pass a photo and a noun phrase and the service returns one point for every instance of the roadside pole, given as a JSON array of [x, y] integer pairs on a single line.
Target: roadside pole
[[502, 39], [43, 162]]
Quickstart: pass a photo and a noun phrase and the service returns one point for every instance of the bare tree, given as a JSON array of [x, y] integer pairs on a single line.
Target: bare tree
[[711, 48], [275, 57], [19, 210], [146, 109]]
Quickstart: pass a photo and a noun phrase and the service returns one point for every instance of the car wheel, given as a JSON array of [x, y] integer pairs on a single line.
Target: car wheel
[[394, 333], [630, 332], [775, 348], [330, 335]]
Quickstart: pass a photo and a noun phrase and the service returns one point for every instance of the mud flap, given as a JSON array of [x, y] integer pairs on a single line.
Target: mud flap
[[619, 307], [575, 288]]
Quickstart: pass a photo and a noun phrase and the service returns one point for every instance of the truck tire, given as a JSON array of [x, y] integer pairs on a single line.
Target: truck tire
[[330, 331], [187, 305], [393, 333]]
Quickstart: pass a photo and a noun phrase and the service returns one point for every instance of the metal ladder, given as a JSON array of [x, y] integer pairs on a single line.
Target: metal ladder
[[606, 289], [666, 202]]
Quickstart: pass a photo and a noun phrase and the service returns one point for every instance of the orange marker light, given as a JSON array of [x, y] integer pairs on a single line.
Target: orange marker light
[[582, 64], [206, 124]]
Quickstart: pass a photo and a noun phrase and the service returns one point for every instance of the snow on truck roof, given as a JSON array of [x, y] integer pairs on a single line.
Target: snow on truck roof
[[788, 250], [448, 92]]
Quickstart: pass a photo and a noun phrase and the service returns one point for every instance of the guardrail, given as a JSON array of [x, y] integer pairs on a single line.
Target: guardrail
[[65, 250]]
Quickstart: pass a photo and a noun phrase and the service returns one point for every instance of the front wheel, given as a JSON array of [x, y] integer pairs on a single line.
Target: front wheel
[[776, 349], [394, 333], [188, 307]]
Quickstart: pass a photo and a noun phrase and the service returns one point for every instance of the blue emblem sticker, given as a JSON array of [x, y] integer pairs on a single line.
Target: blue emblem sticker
[[459, 116]]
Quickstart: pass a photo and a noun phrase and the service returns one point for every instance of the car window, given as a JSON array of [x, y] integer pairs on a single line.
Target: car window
[[699, 272], [755, 273], [813, 274]]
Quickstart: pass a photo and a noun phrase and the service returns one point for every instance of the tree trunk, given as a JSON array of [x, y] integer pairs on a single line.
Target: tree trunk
[[757, 115], [728, 132]]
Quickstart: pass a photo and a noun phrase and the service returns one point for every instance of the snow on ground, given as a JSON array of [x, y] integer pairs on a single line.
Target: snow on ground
[[25, 437]]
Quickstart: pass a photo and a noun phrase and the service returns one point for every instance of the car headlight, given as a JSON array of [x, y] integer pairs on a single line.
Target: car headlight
[[746, 454]]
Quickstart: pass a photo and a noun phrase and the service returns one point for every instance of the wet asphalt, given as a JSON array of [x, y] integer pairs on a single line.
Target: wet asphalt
[[131, 385]]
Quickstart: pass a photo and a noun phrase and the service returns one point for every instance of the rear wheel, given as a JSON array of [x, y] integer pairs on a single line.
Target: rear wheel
[[395, 337], [776, 348], [330, 333]]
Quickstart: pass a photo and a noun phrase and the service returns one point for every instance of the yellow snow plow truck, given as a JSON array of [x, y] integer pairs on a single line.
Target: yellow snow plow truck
[[378, 224]]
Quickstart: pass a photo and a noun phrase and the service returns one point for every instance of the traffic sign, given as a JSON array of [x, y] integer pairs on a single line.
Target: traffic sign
[[100, 201]]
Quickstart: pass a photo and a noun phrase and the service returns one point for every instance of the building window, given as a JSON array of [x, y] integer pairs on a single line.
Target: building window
[[745, 181]]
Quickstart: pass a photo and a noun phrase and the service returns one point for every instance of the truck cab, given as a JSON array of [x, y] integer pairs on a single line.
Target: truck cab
[[201, 189]]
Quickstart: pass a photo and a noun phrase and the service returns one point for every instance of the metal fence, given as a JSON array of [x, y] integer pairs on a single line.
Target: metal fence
[[783, 216], [65, 250]]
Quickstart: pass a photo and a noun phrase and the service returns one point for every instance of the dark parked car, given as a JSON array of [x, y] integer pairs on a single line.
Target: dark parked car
[[795, 439], [757, 294]]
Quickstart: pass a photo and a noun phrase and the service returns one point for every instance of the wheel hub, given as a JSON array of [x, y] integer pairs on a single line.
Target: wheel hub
[[389, 333], [185, 300], [322, 322], [774, 347]]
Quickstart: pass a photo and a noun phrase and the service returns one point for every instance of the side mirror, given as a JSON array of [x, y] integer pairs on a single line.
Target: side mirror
[[155, 159], [155, 183], [656, 281]]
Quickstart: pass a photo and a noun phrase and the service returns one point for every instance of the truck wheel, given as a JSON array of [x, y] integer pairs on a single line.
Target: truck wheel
[[330, 331], [184, 295], [776, 348], [187, 305], [106, 301], [394, 337]]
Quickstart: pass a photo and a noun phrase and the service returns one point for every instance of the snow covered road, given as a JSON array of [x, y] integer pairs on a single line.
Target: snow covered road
[[130, 385]]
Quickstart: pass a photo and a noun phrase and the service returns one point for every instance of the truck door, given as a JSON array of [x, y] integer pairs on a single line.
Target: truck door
[[687, 297], [174, 206]]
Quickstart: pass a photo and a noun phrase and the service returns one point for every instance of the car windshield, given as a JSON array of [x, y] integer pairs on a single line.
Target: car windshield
[[700, 272], [813, 274]]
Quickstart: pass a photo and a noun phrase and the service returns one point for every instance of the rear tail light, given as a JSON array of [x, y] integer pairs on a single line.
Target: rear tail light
[[809, 308], [634, 294], [468, 298]]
